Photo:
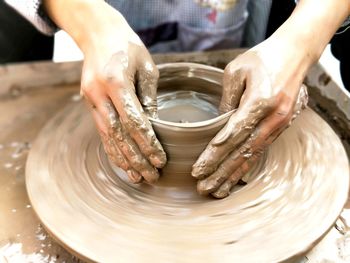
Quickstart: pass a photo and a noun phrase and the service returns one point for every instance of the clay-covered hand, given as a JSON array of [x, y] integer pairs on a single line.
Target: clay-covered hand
[[264, 85], [119, 81]]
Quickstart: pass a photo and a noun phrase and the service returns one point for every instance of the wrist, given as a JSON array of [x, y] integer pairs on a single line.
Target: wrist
[[296, 46], [86, 21], [312, 25], [103, 23], [283, 56]]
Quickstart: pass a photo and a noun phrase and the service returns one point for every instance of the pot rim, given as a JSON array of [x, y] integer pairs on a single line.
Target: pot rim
[[199, 124]]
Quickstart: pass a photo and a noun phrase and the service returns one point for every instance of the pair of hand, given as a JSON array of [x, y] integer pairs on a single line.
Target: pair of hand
[[120, 81]]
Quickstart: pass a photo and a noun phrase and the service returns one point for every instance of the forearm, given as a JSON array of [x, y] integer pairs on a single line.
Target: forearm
[[86, 21], [312, 25]]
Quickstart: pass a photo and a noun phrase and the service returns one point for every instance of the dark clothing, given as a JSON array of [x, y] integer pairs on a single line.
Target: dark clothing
[[340, 47], [340, 43], [279, 13], [19, 40]]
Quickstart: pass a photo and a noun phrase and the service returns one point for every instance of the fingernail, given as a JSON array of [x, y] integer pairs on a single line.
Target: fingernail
[[220, 194], [134, 176], [158, 161], [223, 191], [204, 187], [199, 171], [151, 176]]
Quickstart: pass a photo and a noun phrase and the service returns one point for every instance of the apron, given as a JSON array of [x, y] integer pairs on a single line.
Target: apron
[[195, 25]]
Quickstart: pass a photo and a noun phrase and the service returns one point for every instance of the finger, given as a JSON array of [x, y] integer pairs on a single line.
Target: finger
[[256, 142], [236, 131], [233, 88], [147, 80], [137, 124], [104, 119], [117, 157], [110, 147], [300, 105], [134, 176], [225, 188], [256, 103], [119, 80], [214, 181], [101, 124], [129, 148], [301, 102], [210, 184], [94, 98]]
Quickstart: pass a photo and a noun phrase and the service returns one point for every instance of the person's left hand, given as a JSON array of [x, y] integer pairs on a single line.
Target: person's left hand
[[265, 83]]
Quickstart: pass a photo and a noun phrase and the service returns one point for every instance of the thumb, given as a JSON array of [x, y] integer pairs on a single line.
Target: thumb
[[233, 87], [147, 81]]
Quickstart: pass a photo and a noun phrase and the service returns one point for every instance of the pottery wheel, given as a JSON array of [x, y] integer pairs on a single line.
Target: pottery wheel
[[283, 210]]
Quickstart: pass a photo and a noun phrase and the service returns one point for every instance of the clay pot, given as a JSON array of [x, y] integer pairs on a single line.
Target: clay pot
[[188, 99]]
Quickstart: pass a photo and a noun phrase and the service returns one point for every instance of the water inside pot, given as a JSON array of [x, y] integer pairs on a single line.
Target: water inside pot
[[186, 106]]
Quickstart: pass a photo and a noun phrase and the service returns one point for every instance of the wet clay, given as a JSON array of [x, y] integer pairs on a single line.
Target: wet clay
[[103, 216], [121, 98], [236, 133], [264, 111], [188, 98], [22, 237], [187, 122]]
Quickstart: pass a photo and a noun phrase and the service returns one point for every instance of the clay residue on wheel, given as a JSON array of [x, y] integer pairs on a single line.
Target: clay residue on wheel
[[103, 216]]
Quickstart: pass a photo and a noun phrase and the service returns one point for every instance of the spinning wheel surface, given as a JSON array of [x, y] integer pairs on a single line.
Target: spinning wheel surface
[[285, 207]]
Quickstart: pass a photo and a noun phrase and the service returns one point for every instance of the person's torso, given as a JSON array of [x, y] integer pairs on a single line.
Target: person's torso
[[187, 25]]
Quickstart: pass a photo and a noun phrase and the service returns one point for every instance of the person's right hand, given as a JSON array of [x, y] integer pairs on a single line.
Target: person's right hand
[[118, 74]]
